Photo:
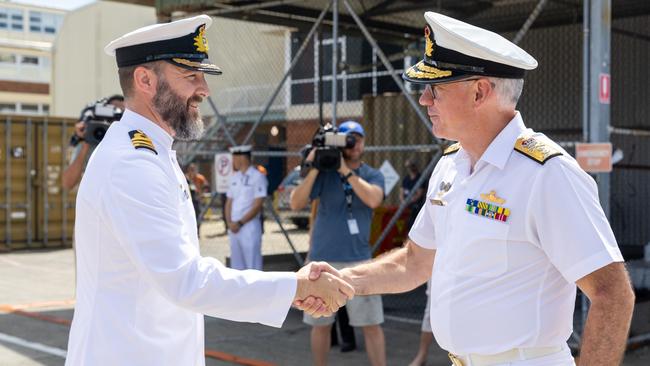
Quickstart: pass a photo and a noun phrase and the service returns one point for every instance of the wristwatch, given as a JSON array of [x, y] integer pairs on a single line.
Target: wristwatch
[[350, 174], [240, 223]]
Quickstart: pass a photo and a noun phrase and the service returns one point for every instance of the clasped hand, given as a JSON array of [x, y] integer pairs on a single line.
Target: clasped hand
[[321, 290]]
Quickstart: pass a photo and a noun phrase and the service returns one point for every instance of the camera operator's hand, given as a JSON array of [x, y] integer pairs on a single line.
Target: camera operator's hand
[[311, 156], [343, 169], [80, 129]]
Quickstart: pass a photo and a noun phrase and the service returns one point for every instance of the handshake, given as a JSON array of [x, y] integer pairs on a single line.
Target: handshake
[[321, 290]]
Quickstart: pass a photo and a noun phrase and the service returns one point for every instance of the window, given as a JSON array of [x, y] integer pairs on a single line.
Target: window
[[29, 108], [7, 108], [45, 108], [11, 19], [29, 60], [40, 22], [7, 58], [35, 19]]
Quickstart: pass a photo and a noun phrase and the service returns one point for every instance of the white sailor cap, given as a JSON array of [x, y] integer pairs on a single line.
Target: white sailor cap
[[183, 43], [455, 50], [241, 149]]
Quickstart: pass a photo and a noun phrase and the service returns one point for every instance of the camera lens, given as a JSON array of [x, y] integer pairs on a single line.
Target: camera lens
[[350, 141]]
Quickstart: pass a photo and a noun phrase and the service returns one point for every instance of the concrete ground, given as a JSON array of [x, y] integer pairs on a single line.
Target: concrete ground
[[37, 288]]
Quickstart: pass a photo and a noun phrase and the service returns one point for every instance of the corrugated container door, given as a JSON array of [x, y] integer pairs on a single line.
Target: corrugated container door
[[35, 212], [16, 183], [55, 212]]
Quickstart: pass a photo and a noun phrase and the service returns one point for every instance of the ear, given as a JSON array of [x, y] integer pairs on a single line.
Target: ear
[[145, 80], [484, 90]]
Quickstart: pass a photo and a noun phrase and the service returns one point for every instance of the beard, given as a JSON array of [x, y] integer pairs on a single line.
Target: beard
[[184, 120]]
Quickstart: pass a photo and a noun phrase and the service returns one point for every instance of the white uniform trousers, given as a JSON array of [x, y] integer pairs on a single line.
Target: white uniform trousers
[[246, 246]]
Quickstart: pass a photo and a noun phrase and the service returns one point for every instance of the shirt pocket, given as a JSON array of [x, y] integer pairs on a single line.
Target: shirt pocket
[[477, 247]]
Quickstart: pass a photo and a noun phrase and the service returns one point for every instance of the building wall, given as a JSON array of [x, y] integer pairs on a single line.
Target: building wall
[[82, 72], [26, 36]]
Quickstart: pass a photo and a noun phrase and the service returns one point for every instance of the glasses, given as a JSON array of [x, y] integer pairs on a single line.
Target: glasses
[[432, 87]]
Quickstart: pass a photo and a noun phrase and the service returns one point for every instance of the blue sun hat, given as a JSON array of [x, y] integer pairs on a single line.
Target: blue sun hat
[[352, 127]]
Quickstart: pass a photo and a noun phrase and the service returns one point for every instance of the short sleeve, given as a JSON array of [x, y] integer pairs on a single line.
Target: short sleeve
[[567, 221], [261, 185], [317, 188], [230, 193], [422, 232], [376, 178]]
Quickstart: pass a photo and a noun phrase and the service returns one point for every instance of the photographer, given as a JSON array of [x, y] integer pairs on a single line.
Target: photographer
[[82, 149], [341, 231]]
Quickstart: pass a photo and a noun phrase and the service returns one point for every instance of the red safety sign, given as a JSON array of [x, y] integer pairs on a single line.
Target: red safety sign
[[604, 88], [594, 157]]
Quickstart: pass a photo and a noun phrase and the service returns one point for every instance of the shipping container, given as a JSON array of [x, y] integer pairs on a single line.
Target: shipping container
[[35, 211]]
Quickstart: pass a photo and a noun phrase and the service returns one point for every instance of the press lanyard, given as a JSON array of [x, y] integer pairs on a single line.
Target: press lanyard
[[352, 222], [347, 189]]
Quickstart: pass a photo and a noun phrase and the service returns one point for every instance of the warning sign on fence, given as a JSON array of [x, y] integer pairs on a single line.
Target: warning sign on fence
[[222, 171], [594, 157]]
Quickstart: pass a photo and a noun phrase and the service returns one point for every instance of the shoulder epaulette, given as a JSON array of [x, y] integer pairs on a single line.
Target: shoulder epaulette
[[141, 141], [451, 149], [537, 147]]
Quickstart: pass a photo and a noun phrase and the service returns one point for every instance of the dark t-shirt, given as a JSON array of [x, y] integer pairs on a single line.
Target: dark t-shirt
[[331, 238], [408, 184]]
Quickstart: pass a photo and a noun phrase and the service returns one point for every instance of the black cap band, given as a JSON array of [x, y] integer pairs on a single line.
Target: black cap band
[[181, 47], [447, 59]]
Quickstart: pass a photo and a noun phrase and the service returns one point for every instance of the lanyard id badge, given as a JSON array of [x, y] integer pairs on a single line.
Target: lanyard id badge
[[353, 226]]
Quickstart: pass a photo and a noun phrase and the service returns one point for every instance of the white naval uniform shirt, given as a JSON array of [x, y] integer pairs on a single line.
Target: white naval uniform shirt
[[501, 285], [244, 189], [142, 285]]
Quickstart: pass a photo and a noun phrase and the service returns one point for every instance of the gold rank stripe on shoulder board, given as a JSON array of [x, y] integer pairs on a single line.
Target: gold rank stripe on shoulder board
[[451, 149], [538, 148], [141, 141]]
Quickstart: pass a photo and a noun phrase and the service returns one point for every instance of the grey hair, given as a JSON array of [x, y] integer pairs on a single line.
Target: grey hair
[[508, 90]]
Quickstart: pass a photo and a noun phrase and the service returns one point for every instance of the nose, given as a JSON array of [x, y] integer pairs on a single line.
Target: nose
[[203, 90], [426, 99]]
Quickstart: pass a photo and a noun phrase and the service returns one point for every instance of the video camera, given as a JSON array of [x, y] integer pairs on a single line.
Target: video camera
[[328, 143], [98, 116]]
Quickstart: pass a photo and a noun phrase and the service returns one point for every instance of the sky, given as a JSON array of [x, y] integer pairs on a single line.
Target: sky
[[57, 4]]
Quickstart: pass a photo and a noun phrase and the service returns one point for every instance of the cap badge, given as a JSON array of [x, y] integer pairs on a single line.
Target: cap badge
[[200, 41], [428, 51]]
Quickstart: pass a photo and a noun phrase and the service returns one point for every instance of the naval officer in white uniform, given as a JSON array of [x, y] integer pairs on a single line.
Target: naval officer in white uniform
[[244, 204], [512, 221], [142, 285]]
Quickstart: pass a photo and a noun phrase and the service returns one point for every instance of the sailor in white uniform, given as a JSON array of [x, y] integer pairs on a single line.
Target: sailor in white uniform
[[245, 201], [511, 225], [142, 285]]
